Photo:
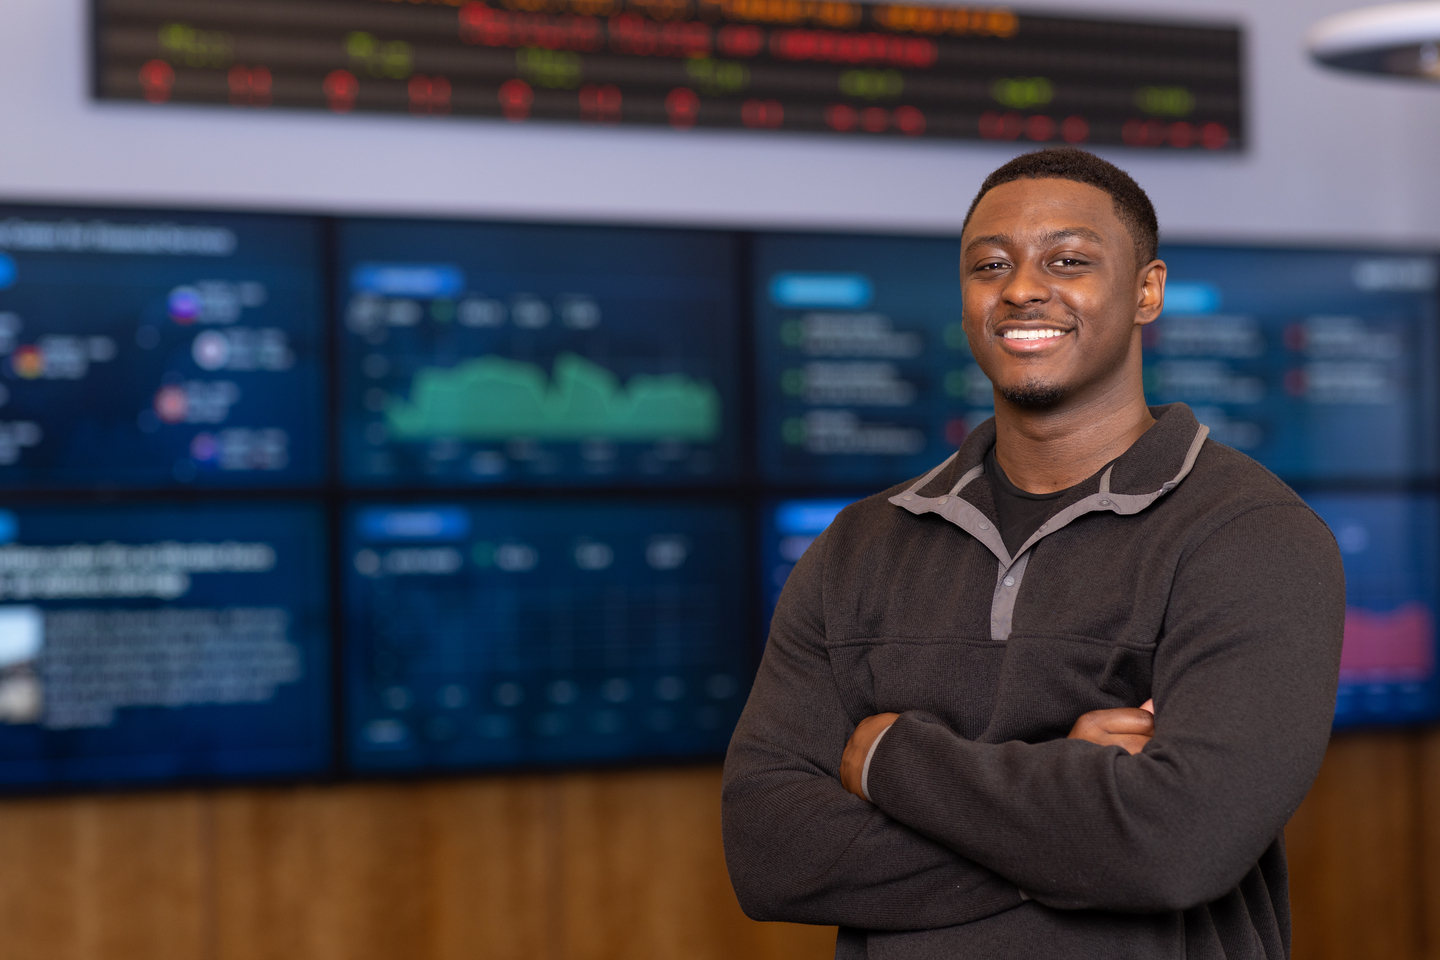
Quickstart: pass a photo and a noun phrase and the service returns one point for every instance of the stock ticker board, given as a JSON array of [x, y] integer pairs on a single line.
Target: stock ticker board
[[856, 69], [154, 350]]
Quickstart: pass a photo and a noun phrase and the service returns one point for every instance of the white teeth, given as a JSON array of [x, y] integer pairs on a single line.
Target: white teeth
[[1033, 334]]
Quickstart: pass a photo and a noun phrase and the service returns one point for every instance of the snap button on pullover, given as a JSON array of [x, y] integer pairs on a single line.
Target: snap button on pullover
[[1009, 581]]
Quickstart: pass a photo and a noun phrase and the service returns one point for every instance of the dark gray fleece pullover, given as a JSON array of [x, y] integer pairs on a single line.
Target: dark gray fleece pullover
[[1184, 572]]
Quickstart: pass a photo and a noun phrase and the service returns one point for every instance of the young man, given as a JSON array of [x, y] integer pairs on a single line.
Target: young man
[[944, 752]]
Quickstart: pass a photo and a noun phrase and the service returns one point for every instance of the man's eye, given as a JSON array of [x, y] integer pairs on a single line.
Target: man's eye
[[1069, 262], [992, 265]]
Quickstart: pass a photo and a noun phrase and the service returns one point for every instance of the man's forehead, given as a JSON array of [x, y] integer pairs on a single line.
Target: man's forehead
[[1038, 210]]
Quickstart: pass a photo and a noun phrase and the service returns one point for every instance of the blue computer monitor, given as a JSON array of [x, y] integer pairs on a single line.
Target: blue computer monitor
[[788, 528], [493, 634], [863, 372], [1390, 544], [485, 354], [1320, 364], [160, 349], [142, 643]]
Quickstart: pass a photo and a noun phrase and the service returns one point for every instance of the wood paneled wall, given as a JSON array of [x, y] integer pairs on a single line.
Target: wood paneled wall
[[1364, 851], [599, 866], [595, 866]]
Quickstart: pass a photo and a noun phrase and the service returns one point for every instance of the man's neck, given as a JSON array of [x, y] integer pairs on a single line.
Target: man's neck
[[1043, 451]]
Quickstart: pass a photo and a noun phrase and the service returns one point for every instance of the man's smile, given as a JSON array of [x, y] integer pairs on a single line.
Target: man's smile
[[1043, 334], [1027, 338]]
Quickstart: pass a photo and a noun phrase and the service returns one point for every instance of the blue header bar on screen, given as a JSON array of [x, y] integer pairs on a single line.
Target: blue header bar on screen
[[807, 516], [837, 291], [1191, 296], [428, 280], [434, 523]]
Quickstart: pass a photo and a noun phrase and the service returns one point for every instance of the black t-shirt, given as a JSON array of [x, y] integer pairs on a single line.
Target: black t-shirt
[[1021, 512]]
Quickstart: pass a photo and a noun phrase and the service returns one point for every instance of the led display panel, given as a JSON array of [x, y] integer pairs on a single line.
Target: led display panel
[[505, 634], [842, 69], [1389, 543], [790, 526], [1319, 364], [863, 372], [142, 643], [159, 349], [482, 354]]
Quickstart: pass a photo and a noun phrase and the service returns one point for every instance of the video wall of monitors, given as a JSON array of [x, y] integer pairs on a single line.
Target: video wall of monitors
[[303, 497]]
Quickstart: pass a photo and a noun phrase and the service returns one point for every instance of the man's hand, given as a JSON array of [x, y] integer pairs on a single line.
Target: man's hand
[[852, 764], [1128, 727]]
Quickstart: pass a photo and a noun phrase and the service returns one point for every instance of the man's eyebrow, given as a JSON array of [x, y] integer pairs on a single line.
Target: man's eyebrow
[[996, 239], [1054, 236], [1079, 233]]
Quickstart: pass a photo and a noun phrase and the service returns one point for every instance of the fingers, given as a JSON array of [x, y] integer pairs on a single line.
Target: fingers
[[1131, 745], [1129, 728], [857, 748], [852, 767], [1128, 720], [1149, 706], [1120, 720]]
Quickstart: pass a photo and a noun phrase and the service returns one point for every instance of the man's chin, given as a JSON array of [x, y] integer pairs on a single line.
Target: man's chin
[[1033, 395]]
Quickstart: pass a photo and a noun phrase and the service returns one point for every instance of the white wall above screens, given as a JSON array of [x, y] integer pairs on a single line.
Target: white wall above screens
[[1332, 157]]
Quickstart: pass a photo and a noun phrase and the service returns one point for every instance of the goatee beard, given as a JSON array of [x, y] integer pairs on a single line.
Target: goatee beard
[[1033, 394]]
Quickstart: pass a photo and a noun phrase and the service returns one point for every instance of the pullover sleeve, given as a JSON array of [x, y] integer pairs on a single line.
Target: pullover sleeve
[[798, 846], [1244, 685]]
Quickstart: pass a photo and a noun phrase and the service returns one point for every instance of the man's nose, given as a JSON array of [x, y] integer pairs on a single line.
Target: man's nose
[[1026, 286]]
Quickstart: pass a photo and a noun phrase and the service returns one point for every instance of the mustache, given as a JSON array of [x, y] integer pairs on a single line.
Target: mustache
[[1025, 315]]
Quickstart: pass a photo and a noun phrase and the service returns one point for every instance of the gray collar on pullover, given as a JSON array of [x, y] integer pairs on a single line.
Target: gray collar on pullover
[[1154, 465]]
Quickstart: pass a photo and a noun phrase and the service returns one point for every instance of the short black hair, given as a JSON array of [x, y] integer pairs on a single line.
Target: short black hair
[[1132, 206]]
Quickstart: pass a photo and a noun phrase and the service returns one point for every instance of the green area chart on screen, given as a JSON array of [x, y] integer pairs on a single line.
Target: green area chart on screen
[[496, 398]]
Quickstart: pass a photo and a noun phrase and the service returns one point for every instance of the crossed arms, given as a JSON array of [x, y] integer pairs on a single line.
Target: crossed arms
[[1122, 815], [1124, 727]]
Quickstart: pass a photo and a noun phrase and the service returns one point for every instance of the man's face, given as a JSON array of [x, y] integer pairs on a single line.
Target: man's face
[[1053, 296]]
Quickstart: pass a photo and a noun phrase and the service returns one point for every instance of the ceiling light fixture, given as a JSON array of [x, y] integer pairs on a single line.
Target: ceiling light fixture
[[1395, 39]]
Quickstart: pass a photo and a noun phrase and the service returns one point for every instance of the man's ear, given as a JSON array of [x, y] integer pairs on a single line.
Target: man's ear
[[1151, 292]]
